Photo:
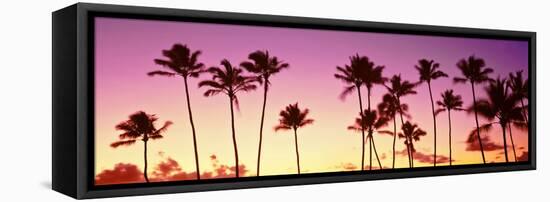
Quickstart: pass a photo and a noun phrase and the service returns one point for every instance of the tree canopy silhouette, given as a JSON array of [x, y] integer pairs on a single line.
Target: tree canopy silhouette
[[229, 80], [263, 66], [292, 118], [140, 126]]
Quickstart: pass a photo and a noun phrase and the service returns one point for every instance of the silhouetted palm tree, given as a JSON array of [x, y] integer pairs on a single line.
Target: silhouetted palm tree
[[520, 87], [411, 133], [140, 126], [370, 119], [429, 70], [264, 67], [500, 104], [474, 71], [293, 118], [389, 107], [182, 62], [400, 88], [352, 76], [229, 81], [450, 101]]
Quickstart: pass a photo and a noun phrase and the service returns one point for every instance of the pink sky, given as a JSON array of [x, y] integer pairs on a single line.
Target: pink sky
[[125, 50]]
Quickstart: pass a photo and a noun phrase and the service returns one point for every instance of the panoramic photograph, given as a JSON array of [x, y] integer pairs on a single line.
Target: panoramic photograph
[[187, 101]]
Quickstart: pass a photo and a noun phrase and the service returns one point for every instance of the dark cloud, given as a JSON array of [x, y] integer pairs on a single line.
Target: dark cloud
[[425, 158], [524, 156], [472, 143], [122, 173], [167, 170]]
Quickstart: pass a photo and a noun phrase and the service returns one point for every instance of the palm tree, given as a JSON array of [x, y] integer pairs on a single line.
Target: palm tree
[[411, 133], [400, 88], [140, 126], [292, 117], [502, 105], [370, 119], [428, 70], [229, 81], [520, 87], [474, 71], [182, 62], [389, 107], [264, 67], [352, 76], [450, 101]]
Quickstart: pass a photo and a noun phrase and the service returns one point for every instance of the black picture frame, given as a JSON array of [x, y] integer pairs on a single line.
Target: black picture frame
[[73, 99]]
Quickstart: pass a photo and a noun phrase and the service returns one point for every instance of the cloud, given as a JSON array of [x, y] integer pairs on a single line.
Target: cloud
[[351, 166], [524, 156], [122, 173], [472, 143], [167, 170], [425, 158]]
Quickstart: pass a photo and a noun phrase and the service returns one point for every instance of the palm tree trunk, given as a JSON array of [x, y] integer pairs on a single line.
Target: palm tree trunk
[[394, 139], [375, 152], [297, 153], [523, 111], [369, 137], [362, 129], [504, 139], [234, 138], [450, 150], [412, 152], [477, 124], [192, 129], [406, 138], [145, 161], [512, 140], [370, 130], [261, 129], [435, 125]]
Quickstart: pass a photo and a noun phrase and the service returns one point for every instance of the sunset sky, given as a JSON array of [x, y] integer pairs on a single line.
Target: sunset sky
[[124, 54]]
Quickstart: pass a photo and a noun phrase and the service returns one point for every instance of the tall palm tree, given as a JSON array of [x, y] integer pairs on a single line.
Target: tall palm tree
[[429, 70], [181, 61], [292, 118], [352, 76], [400, 88], [389, 107], [412, 133], [263, 66], [370, 119], [474, 71], [449, 101], [520, 86], [500, 104], [229, 81], [140, 126]]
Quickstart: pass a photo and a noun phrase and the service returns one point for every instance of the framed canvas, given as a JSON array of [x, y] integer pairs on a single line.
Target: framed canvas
[[154, 100]]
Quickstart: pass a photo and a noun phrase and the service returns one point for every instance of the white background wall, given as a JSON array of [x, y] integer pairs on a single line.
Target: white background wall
[[25, 99]]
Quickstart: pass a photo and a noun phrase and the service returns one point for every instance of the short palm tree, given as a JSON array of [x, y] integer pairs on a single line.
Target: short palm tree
[[140, 126], [352, 76], [229, 80], [184, 63], [400, 88], [389, 108], [412, 133], [370, 119], [520, 86], [292, 118], [429, 70], [474, 71], [263, 66], [502, 105], [449, 102]]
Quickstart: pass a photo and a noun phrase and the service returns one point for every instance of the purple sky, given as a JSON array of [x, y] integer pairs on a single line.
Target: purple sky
[[125, 50]]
